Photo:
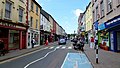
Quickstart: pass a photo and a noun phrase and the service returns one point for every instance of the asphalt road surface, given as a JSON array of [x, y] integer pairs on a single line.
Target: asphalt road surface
[[57, 56]]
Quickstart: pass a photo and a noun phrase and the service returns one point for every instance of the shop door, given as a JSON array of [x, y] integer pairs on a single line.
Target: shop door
[[118, 41], [23, 42], [112, 41]]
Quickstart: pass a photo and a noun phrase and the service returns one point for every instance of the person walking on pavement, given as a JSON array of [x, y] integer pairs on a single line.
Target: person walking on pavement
[[82, 40], [33, 42], [2, 47], [92, 42], [96, 42]]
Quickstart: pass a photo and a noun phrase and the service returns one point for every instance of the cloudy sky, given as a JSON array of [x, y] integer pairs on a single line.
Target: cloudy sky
[[65, 12]]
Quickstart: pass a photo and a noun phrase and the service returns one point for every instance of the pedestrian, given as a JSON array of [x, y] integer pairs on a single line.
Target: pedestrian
[[33, 42], [92, 42], [2, 51], [82, 40], [96, 42]]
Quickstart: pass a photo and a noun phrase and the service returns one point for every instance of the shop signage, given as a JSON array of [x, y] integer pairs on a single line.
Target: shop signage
[[96, 25], [20, 27], [113, 22], [101, 26], [7, 24]]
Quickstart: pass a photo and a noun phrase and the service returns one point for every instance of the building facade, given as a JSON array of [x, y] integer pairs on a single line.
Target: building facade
[[51, 28], [106, 13], [88, 20], [34, 22], [13, 23], [80, 23], [45, 27]]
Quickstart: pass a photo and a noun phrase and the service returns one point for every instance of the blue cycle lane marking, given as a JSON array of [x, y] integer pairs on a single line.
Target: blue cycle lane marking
[[76, 60]]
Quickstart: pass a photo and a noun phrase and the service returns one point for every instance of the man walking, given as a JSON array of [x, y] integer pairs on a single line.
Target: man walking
[[33, 42]]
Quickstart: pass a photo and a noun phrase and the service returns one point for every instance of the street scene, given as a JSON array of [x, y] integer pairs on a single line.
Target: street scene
[[59, 34]]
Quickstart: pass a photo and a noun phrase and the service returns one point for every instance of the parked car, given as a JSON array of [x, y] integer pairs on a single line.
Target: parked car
[[62, 41]]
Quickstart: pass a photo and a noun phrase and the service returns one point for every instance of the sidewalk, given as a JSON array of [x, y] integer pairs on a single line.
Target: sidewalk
[[107, 59], [15, 53]]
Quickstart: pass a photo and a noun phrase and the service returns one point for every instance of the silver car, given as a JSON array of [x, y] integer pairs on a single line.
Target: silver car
[[62, 41]]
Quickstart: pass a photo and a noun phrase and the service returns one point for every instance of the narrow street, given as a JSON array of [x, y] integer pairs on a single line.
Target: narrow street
[[56, 56]]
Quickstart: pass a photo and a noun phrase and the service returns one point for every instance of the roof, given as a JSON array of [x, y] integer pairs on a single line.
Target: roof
[[44, 13]]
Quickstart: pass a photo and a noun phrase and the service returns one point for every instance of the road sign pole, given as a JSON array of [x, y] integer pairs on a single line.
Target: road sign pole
[[96, 40], [96, 44]]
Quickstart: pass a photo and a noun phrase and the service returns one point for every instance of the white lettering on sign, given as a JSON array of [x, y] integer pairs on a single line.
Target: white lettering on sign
[[7, 24], [115, 20]]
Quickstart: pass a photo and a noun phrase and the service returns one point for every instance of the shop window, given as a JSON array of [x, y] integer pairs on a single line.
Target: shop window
[[36, 38], [3, 33], [14, 39]]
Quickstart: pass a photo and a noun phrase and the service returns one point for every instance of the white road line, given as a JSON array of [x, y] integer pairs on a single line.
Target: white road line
[[46, 48], [65, 60], [20, 56], [70, 47], [63, 47], [58, 47], [51, 47], [39, 59]]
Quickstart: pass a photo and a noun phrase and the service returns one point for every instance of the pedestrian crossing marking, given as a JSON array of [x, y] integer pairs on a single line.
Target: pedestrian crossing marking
[[70, 47], [51, 47], [46, 48], [59, 47], [63, 47]]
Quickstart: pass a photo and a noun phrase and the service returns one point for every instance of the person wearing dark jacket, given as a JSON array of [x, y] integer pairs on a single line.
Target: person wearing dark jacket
[[2, 47]]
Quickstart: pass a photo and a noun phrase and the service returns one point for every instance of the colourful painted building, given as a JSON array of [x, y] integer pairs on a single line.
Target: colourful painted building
[[13, 23], [89, 21], [88, 17], [107, 14], [34, 23]]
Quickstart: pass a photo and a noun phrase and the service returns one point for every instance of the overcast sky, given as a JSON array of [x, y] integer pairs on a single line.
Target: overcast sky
[[65, 12]]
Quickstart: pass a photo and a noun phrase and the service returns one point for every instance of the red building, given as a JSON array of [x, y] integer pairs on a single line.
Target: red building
[[13, 34], [13, 26]]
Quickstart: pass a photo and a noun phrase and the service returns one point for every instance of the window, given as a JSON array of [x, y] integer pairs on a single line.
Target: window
[[97, 13], [36, 23], [93, 16], [8, 9], [20, 14], [21, 0], [32, 5], [42, 17], [31, 21], [37, 9], [118, 1], [109, 6], [102, 8]]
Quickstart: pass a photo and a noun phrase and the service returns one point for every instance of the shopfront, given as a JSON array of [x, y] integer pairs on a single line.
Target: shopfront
[[13, 35], [103, 36], [113, 27], [33, 34]]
